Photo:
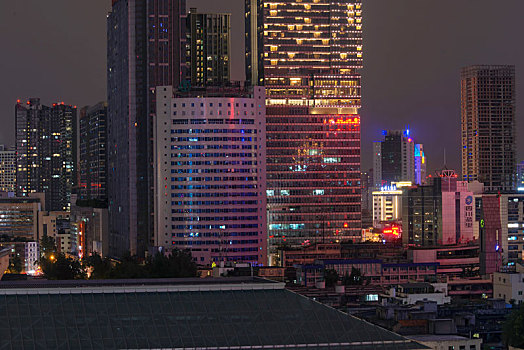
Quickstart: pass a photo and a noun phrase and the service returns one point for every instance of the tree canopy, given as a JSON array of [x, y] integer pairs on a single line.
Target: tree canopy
[[513, 331]]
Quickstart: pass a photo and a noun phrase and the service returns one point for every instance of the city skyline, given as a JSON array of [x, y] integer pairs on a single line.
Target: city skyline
[[394, 96]]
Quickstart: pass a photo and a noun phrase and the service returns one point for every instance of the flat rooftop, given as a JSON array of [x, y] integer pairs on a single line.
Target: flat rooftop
[[146, 285]]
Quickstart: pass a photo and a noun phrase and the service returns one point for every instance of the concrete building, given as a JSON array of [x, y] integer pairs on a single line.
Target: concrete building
[[92, 169], [7, 169], [490, 233], [488, 126], [377, 271], [411, 293], [396, 157], [46, 140], [208, 48], [387, 204], [4, 260], [146, 49], [520, 177], [19, 216], [453, 261], [313, 95], [32, 256], [447, 342], [91, 226], [505, 217], [210, 174], [441, 212], [509, 285], [367, 186]]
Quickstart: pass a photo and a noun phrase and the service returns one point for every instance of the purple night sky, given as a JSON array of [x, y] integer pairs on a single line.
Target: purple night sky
[[413, 52]]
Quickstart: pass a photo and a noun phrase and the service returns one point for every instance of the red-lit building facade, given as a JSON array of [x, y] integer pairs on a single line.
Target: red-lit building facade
[[307, 56]]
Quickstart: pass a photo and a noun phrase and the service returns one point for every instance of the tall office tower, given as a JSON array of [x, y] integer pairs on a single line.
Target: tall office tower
[[394, 158], [7, 169], [366, 182], [307, 56], [487, 214], [46, 140], [210, 161], [377, 165], [208, 48], [520, 177], [440, 213], [93, 152], [488, 126], [146, 49], [420, 165]]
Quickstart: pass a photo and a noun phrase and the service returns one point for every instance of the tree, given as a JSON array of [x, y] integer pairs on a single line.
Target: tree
[[355, 278], [129, 267], [178, 264], [15, 265], [47, 246], [330, 277], [513, 330], [98, 267], [61, 268]]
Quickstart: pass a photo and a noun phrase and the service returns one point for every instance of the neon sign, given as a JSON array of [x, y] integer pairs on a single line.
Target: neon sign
[[342, 121], [388, 188], [394, 231]]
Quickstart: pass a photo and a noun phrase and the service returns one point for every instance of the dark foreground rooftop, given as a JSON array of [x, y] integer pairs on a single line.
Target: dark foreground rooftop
[[147, 315]]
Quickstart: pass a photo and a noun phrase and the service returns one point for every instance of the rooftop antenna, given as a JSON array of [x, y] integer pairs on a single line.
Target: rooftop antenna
[[445, 164]]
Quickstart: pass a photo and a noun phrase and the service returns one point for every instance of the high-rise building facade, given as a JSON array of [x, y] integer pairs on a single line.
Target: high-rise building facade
[[366, 182], [210, 174], [394, 157], [146, 49], [92, 167], [440, 213], [420, 164], [520, 177], [307, 56], [208, 48], [7, 169], [46, 140], [488, 126]]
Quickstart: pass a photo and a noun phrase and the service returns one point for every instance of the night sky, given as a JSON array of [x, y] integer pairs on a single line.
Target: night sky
[[413, 52]]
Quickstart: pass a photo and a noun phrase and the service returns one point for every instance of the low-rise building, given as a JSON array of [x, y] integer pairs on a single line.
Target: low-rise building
[[19, 216], [375, 271], [411, 293], [447, 342], [32, 256], [509, 286], [91, 227]]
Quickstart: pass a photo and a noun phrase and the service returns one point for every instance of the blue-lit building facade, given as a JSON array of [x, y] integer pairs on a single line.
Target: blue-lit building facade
[[146, 48], [420, 165], [307, 55], [210, 170]]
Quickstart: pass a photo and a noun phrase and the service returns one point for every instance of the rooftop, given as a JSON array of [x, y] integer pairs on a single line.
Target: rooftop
[[232, 313]]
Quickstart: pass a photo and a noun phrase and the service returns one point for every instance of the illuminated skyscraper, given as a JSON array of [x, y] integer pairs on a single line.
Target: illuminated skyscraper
[[394, 158], [488, 126], [93, 152], [210, 174], [146, 49], [208, 47], [520, 177], [7, 169], [420, 164], [45, 144], [307, 56]]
